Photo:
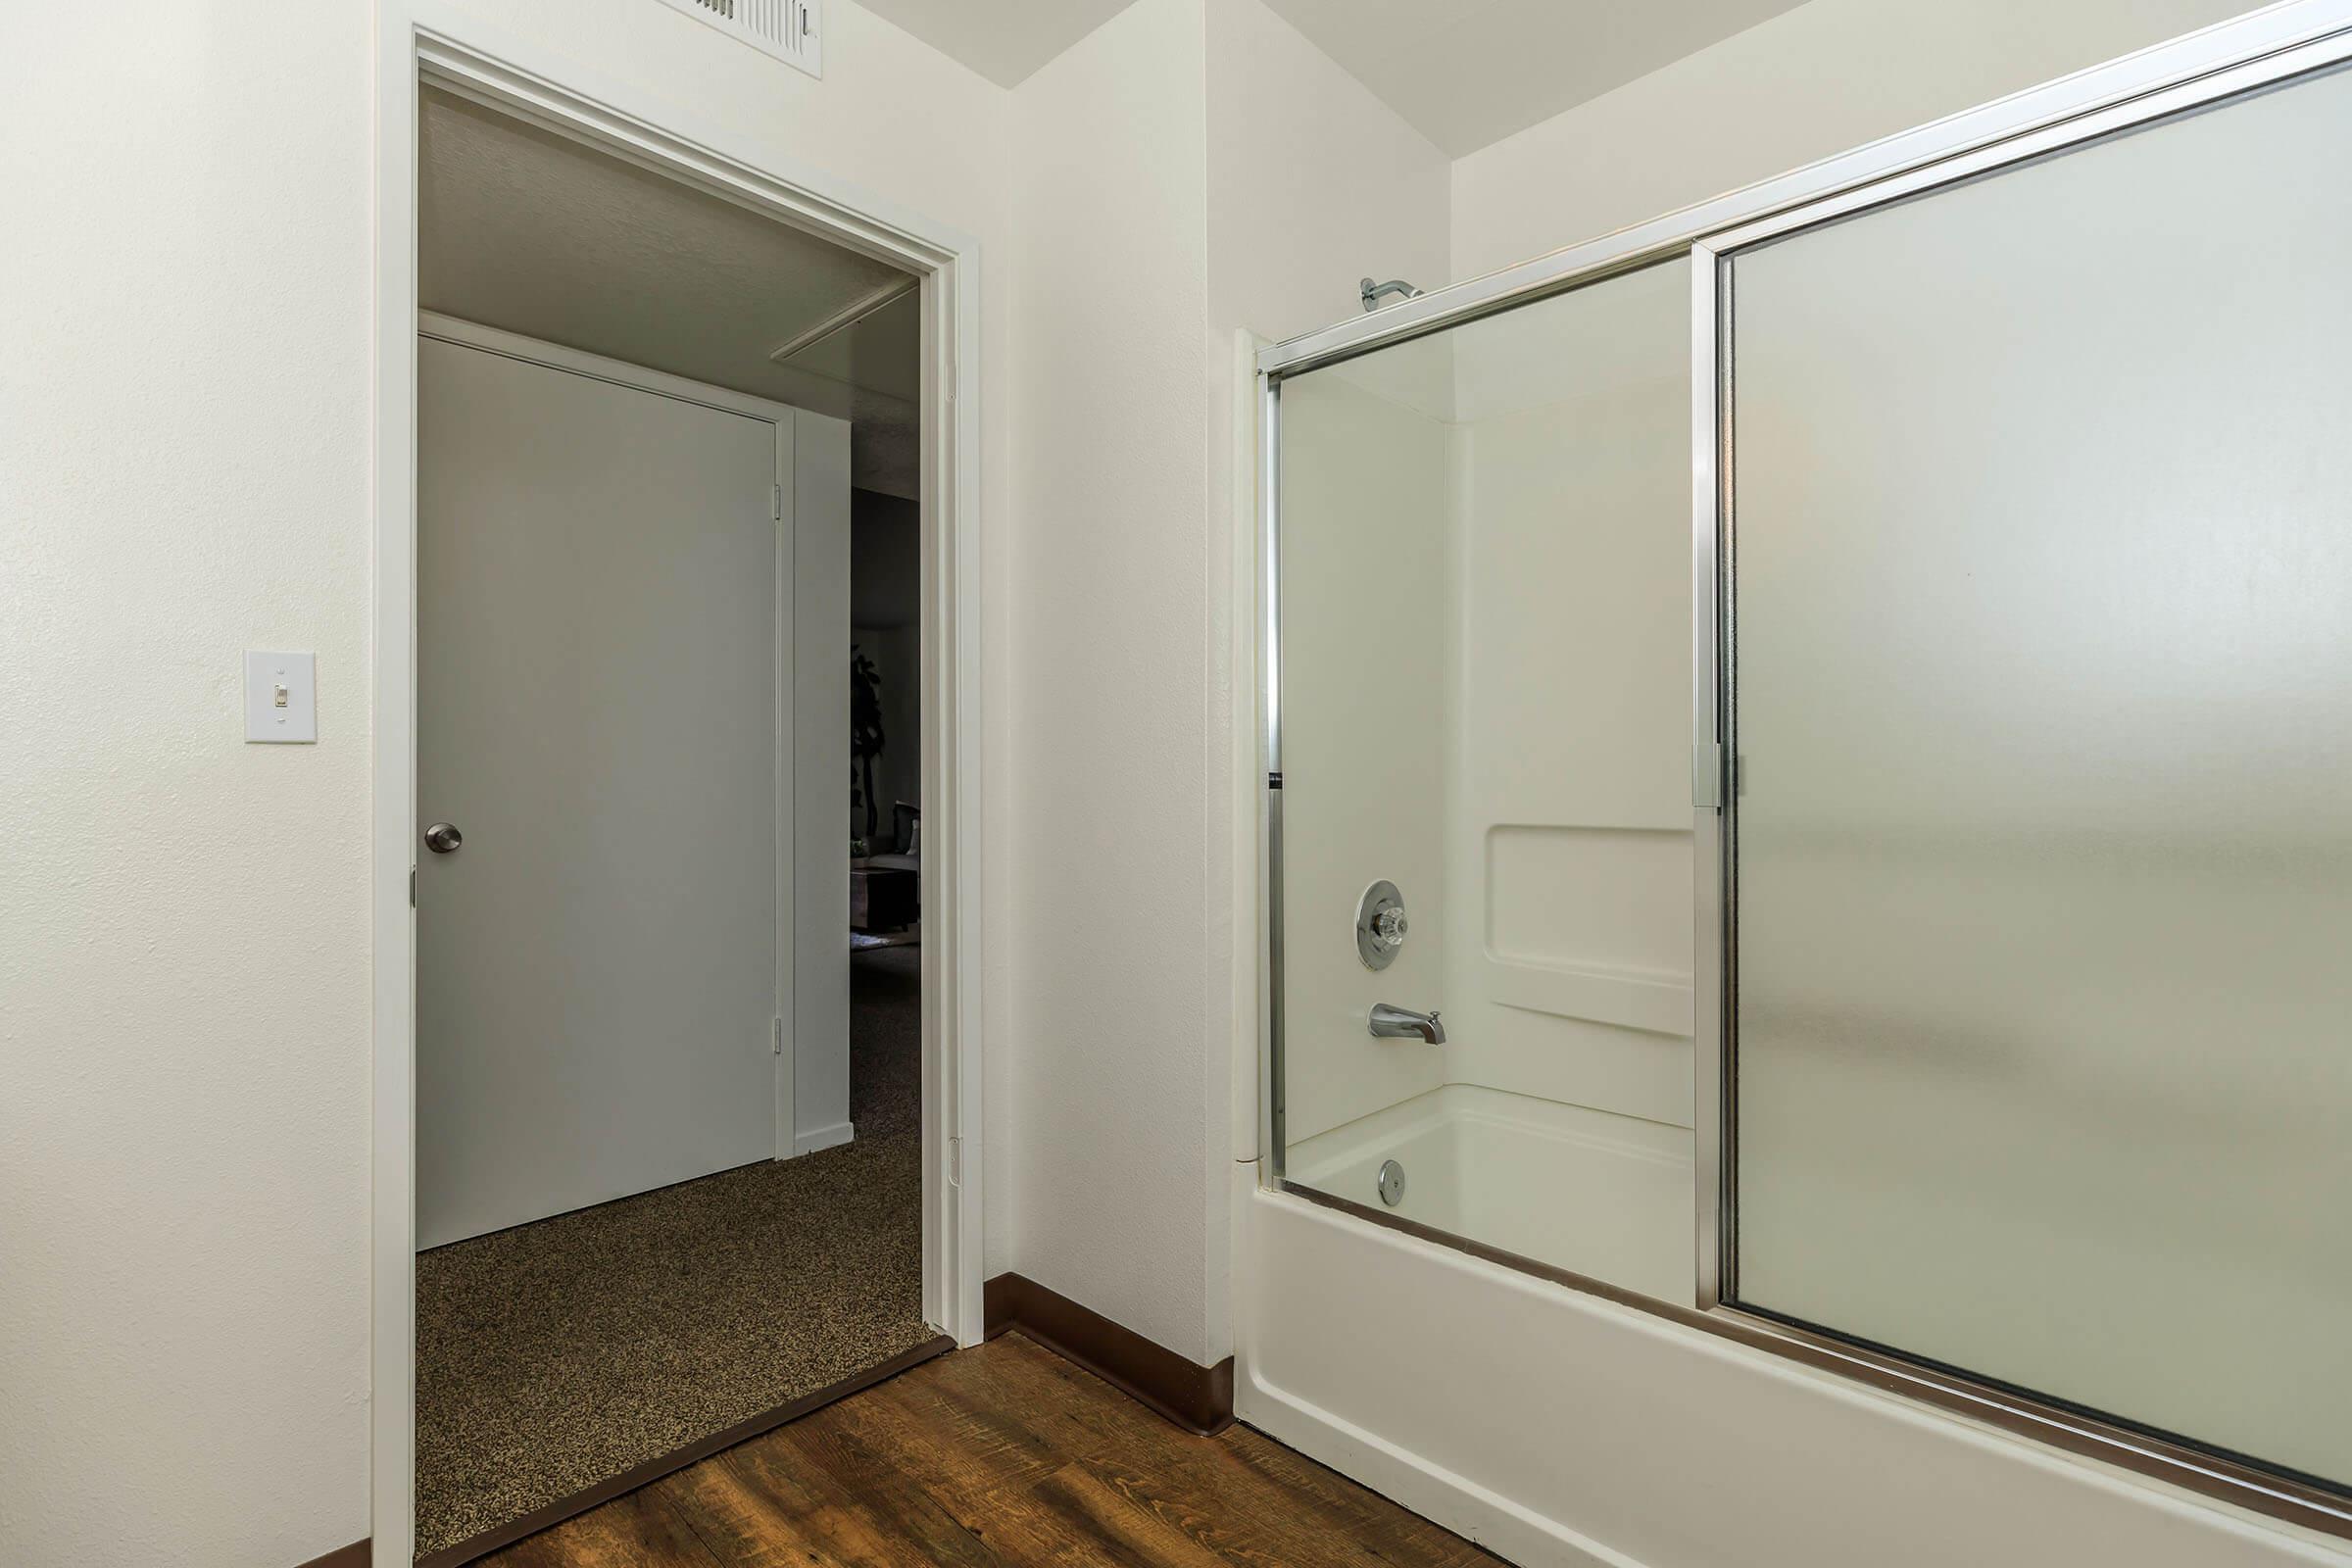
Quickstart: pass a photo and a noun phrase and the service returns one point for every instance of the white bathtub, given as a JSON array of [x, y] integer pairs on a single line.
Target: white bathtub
[[1601, 1194]]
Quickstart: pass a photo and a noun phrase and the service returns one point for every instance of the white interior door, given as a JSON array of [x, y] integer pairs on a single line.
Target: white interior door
[[601, 683]]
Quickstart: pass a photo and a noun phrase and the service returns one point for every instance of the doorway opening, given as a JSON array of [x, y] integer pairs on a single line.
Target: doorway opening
[[647, 1211], [676, 1166]]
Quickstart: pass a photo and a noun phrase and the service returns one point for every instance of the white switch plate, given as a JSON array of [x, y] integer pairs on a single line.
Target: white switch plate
[[281, 697]]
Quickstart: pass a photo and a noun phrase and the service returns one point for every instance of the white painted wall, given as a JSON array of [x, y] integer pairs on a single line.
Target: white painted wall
[[1149, 228], [185, 429], [1809, 84], [1111, 1144]]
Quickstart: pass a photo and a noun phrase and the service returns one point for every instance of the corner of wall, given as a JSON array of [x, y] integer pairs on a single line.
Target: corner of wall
[[1314, 182], [1108, 655]]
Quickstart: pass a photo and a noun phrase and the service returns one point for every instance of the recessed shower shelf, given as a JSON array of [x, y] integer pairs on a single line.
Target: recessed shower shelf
[[1660, 1004]]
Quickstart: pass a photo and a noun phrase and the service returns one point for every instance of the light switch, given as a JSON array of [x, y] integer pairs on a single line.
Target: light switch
[[281, 697]]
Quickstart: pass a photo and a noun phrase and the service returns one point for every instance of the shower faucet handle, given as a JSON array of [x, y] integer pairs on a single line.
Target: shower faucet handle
[[1379, 925]]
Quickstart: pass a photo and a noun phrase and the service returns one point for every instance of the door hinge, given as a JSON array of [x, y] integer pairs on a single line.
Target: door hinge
[[955, 1162], [777, 1036], [775, 501], [412, 887]]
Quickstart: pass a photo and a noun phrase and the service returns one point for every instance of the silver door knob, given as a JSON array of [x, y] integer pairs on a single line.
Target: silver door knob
[[443, 838]]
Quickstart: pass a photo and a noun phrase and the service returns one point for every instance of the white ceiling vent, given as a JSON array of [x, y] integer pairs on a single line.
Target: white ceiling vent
[[793, 31]]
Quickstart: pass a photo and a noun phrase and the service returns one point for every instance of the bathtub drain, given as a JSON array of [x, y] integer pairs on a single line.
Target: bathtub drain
[[1392, 1183]]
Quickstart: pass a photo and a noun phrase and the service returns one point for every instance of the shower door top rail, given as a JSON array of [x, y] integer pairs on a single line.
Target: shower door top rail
[[2278, 41]]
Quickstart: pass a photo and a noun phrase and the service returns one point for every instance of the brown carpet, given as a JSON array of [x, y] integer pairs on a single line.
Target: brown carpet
[[556, 1354]]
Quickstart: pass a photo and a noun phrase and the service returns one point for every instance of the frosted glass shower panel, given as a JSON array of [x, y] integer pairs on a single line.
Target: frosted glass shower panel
[[2042, 702]]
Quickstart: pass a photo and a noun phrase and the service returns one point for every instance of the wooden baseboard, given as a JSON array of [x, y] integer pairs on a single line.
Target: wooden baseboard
[[355, 1556], [1198, 1398], [629, 1479]]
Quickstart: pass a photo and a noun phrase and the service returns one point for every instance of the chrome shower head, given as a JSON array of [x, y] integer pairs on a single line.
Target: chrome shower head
[[1372, 293]]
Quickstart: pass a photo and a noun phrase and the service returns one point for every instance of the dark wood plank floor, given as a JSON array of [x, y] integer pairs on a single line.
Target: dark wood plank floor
[[1005, 1454]]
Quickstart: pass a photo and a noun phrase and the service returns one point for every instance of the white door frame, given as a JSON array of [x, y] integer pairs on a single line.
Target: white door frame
[[436, 41]]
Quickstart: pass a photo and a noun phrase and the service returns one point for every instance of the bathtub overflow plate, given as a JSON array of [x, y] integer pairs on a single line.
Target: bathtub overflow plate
[[1379, 925], [1392, 1183]]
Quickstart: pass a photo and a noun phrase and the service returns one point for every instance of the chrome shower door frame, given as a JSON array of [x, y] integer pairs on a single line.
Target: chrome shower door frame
[[2202, 68]]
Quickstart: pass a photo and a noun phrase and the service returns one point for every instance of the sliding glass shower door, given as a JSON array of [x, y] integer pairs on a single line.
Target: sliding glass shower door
[[2038, 681], [1974, 1014]]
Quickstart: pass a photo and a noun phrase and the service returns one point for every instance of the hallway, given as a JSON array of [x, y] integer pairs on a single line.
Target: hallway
[[1003, 1454]]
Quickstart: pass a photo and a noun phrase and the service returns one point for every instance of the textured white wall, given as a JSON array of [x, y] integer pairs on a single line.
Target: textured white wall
[[1105, 864], [1807, 84], [185, 427], [184, 430]]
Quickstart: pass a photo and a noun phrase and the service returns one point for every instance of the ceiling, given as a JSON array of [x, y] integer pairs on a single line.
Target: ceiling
[[1469, 73], [533, 232], [1004, 42], [1463, 73]]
